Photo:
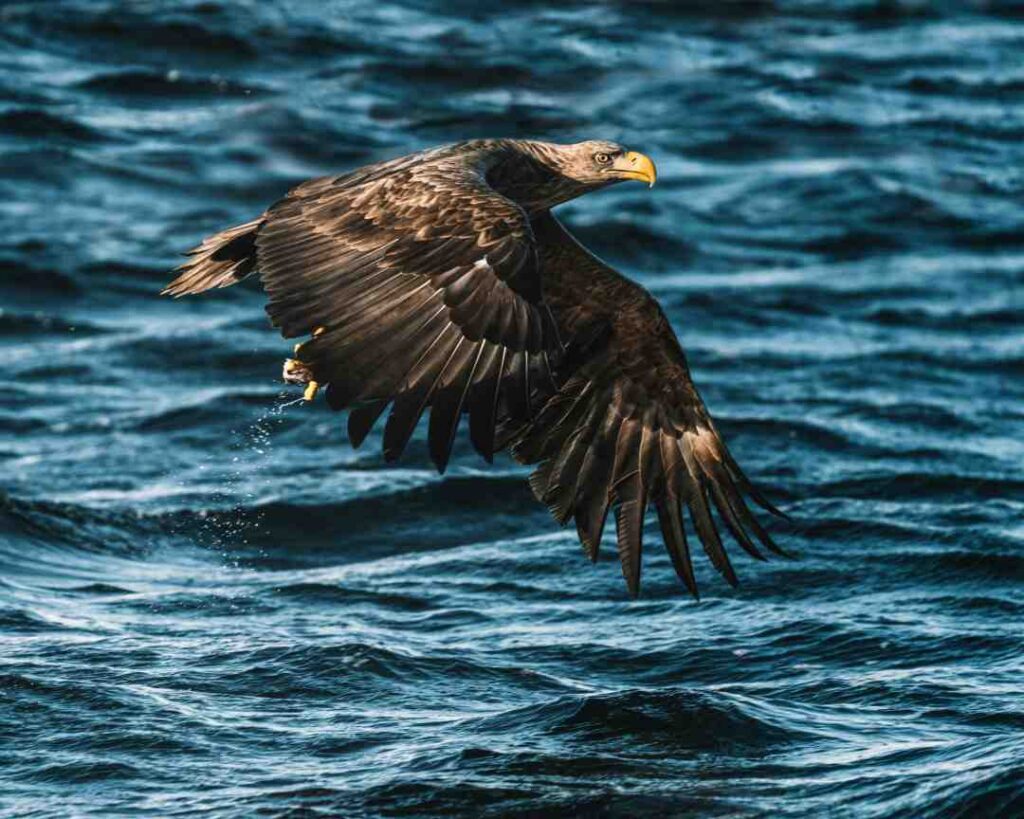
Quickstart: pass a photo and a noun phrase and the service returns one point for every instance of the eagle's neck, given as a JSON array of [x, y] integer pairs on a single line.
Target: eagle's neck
[[527, 173]]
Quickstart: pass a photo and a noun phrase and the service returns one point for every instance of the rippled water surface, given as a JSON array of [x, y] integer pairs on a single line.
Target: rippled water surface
[[210, 603]]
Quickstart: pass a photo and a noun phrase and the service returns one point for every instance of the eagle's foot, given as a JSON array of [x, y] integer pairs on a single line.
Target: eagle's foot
[[295, 372]]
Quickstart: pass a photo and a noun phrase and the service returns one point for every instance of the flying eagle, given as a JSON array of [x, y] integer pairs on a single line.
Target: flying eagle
[[441, 279]]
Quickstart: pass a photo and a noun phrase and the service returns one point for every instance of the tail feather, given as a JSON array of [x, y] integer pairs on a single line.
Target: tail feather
[[220, 261]]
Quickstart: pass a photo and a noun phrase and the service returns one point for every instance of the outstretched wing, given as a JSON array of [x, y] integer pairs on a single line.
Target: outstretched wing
[[420, 286], [626, 428]]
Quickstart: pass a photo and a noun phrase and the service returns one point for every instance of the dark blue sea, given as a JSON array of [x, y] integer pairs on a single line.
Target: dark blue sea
[[210, 604]]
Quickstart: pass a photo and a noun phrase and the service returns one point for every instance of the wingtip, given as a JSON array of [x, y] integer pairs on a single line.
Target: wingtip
[[440, 461], [772, 546], [766, 504], [591, 550], [773, 509]]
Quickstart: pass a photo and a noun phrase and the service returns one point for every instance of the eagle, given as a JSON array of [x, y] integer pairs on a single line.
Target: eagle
[[441, 280]]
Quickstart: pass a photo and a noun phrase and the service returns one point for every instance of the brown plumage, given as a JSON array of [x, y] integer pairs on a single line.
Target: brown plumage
[[441, 281]]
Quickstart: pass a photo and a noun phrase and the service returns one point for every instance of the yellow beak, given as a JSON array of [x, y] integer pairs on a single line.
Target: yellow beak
[[634, 165]]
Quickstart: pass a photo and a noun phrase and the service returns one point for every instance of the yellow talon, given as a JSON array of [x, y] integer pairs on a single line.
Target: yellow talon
[[317, 331], [311, 390]]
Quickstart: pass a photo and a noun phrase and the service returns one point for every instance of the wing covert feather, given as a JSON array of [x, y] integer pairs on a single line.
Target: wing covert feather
[[410, 278]]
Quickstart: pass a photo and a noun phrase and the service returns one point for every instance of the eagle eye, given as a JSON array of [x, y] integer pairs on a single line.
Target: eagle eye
[[602, 158]]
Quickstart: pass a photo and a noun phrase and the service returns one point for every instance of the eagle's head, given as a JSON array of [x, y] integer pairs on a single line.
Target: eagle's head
[[599, 162], [556, 173]]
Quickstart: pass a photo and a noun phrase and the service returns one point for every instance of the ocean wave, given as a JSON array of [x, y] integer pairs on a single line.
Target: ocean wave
[[993, 793], [333, 594], [954, 85], [170, 84], [19, 278], [33, 324], [134, 32], [948, 320], [328, 670], [939, 485], [35, 123], [666, 719], [46, 526], [268, 533], [23, 621], [429, 516]]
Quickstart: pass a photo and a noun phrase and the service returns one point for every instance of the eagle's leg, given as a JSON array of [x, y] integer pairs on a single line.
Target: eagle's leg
[[296, 372]]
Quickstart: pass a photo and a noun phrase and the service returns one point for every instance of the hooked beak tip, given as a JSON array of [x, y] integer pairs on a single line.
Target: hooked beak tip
[[635, 165]]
